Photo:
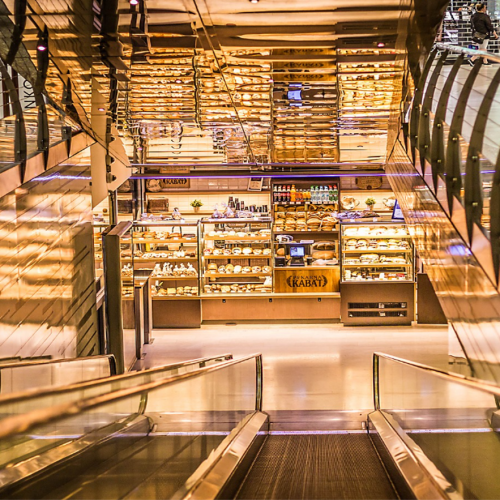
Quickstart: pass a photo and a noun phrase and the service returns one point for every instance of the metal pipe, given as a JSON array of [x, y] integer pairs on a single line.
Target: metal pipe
[[376, 381], [259, 389], [113, 207]]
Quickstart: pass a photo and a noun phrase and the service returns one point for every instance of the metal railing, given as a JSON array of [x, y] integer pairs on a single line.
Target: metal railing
[[455, 147]]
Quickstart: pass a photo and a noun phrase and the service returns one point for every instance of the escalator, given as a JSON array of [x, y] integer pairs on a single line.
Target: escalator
[[198, 431], [317, 466]]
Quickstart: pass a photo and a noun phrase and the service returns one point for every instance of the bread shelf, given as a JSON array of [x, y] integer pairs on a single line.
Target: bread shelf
[[236, 275], [379, 250], [377, 236], [240, 256], [166, 242], [377, 265], [237, 238], [306, 231], [174, 278]]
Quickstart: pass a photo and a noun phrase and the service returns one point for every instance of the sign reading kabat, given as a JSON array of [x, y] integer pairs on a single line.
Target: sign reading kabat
[[307, 279], [317, 281], [177, 183]]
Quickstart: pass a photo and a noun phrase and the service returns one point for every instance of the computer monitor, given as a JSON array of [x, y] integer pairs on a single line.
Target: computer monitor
[[297, 251]]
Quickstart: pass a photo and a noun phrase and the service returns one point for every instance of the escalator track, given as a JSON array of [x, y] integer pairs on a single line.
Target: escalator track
[[317, 467]]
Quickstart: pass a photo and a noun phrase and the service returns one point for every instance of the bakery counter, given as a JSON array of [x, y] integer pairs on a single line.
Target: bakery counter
[[280, 307]]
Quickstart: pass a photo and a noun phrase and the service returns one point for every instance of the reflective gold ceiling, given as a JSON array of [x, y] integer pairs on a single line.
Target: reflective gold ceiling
[[219, 81]]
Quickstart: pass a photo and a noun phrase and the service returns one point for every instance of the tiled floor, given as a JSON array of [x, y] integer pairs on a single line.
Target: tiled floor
[[306, 367]]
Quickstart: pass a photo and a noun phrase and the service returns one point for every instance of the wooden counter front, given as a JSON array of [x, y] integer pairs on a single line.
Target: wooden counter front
[[311, 279]]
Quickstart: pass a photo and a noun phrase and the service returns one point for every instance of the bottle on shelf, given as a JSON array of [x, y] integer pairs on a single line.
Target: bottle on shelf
[[335, 193], [292, 194]]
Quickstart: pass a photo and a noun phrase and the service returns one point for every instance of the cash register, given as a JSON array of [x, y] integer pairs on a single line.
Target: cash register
[[296, 252]]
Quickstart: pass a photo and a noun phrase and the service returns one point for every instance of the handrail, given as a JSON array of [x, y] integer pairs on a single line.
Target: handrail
[[480, 385], [54, 361], [77, 386], [15, 425], [467, 52]]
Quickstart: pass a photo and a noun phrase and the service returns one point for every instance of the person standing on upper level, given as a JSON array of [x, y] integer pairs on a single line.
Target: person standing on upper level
[[482, 31]]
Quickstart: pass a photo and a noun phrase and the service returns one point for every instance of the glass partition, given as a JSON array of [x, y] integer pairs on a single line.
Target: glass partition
[[7, 140], [453, 419], [56, 123], [156, 417], [31, 126], [23, 402]]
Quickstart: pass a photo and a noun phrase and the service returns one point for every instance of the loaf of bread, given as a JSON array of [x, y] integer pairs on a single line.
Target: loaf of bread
[[323, 254], [323, 245]]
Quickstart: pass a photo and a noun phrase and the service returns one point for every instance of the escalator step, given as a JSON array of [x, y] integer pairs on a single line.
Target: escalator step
[[318, 466]]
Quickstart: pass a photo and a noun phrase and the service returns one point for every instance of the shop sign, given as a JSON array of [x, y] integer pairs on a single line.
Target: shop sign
[[316, 281], [177, 183]]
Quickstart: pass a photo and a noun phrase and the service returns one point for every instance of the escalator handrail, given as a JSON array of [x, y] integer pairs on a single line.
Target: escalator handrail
[[472, 383], [36, 393], [23, 423], [20, 364], [468, 52]]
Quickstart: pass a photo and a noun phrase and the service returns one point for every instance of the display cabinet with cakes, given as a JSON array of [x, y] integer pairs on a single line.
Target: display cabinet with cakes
[[382, 256], [236, 256], [170, 249]]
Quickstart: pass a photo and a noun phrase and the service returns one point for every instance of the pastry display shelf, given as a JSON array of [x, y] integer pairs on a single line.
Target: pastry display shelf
[[238, 220], [376, 236], [306, 231], [379, 250], [165, 241], [239, 256], [237, 238], [235, 275], [174, 278], [376, 281], [378, 264]]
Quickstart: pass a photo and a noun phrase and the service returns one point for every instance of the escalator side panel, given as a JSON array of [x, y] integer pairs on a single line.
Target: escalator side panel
[[401, 486], [60, 465]]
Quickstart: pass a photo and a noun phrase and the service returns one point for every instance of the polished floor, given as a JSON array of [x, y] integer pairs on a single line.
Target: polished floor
[[306, 366]]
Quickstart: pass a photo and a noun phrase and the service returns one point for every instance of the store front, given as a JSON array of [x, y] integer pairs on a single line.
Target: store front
[[296, 248]]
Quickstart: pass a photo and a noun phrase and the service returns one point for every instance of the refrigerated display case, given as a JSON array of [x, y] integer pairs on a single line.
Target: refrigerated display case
[[377, 273], [236, 256]]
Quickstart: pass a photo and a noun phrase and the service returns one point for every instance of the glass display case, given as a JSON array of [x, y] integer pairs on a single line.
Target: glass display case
[[170, 249], [236, 256], [376, 252]]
